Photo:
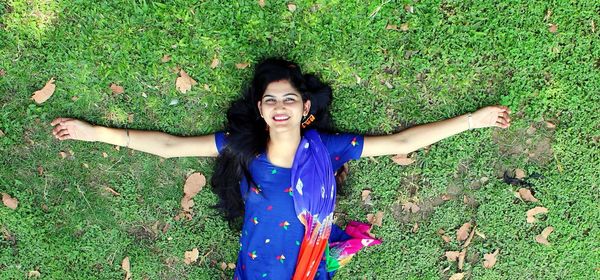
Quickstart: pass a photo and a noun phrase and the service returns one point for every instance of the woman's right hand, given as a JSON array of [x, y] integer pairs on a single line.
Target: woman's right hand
[[68, 128]]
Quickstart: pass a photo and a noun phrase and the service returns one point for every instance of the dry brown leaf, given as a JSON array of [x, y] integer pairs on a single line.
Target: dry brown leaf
[[9, 201], [125, 265], [43, 94], [531, 213], [526, 195], [187, 204], [191, 256], [116, 89], [463, 232], [110, 190], [241, 65], [40, 170], [215, 63], [446, 238], [402, 159], [194, 184], [548, 15], [261, 3], [291, 7], [415, 228], [409, 8], [470, 237], [490, 259], [86, 165], [520, 173], [231, 265], [166, 58], [550, 125], [104, 154], [391, 27], [543, 237], [410, 207], [375, 219], [404, 27], [461, 258], [480, 234], [593, 24], [3, 72], [223, 266], [553, 28], [74, 98], [1, 133], [365, 194], [117, 147], [457, 276], [452, 256], [184, 82], [33, 274]]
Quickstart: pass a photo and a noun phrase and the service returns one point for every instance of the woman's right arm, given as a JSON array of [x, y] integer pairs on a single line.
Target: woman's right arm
[[152, 142]]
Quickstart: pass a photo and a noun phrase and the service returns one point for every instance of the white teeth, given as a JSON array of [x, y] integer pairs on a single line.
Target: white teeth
[[281, 118]]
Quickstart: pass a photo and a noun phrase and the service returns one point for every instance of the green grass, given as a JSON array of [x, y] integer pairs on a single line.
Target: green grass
[[456, 56]]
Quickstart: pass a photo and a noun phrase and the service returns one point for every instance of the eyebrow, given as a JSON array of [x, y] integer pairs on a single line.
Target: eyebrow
[[289, 93]]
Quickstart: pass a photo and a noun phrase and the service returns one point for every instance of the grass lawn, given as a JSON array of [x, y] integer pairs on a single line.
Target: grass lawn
[[390, 66]]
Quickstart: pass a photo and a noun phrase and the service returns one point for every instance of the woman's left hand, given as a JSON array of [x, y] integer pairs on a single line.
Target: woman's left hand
[[491, 116]]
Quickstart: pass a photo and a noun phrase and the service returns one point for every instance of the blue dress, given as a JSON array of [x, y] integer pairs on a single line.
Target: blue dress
[[271, 233]]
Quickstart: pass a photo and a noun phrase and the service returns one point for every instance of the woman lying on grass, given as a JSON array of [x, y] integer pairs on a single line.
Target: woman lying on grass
[[275, 168]]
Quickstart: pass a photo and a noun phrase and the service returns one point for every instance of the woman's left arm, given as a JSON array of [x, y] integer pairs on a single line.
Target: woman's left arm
[[420, 136]]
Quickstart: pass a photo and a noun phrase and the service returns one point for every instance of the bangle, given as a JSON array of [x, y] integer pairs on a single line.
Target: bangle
[[127, 132], [469, 120]]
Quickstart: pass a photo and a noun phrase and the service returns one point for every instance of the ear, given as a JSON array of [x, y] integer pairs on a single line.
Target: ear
[[259, 108], [306, 107]]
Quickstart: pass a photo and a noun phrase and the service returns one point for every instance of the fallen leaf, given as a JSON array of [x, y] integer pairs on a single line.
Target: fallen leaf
[[261, 3], [33, 274], [457, 276], [223, 266], [40, 170], [74, 98], [375, 219], [191, 256], [415, 228], [215, 63], [365, 194], [116, 89], [125, 265], [470, 237], [291, 7], [43, 94], [519, 173], [9, 201], [480, 234], [531, 130], [445, 197], [402, 159], [543, 237], [231, 265], [461, 258], [86, 165], [452, 256], [490, 259], [241, 65], [2, 72], [446, 238], [187, 203], [194, 184], [206, 87], [117, 147], [391, 27], [526, 195], [184, 82], [410, 207], [110, 190], [166, 228], [553, 28], [593, 24], [463, 232], [104, 154], [404, 27], [130, 118], [550, 125], [166, 58], [537, 210], [409, 8]]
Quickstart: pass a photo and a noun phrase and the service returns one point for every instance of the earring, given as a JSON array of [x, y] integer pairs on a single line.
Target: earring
[[308, 121]]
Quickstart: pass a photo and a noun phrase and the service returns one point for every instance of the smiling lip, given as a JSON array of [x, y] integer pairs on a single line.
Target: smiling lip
[[281, 118]]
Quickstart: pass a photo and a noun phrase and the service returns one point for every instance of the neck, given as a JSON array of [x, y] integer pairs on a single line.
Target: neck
[[281, 147]]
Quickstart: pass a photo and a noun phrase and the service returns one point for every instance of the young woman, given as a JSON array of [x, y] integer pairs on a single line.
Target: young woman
[[275, 168]]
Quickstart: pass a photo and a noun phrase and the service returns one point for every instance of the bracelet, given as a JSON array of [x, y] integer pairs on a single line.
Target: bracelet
[[127, 132], [469, 120]]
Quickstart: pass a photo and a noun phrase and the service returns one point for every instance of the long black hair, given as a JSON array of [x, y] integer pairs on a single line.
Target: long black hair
[[246, 132]]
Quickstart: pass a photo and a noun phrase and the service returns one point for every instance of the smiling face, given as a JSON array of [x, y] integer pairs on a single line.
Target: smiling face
[[282, 107]]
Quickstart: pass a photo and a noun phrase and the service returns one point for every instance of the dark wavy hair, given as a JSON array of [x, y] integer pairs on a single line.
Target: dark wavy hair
[[246, 130]]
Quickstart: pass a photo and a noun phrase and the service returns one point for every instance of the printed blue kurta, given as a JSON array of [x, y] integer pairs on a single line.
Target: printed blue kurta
[[271, 233]]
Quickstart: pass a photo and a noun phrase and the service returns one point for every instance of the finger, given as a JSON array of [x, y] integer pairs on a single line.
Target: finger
[[60, 120], [502, 123], [65, 137], [62, 133]]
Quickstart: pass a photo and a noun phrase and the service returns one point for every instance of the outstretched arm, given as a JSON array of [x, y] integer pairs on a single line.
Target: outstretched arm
[[420, 136], [152, 142]]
